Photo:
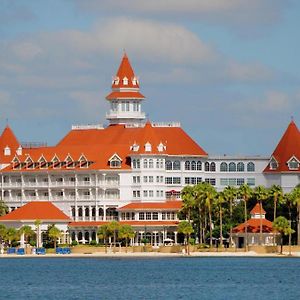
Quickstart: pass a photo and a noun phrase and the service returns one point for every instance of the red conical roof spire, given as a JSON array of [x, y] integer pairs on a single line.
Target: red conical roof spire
[[288, 146], [125, 72], [9, 139]]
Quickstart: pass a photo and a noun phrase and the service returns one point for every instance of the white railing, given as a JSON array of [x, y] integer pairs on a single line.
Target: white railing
[[88, 126], [166, 124]]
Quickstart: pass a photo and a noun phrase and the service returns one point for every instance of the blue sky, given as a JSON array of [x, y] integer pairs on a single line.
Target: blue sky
[[228, 70]]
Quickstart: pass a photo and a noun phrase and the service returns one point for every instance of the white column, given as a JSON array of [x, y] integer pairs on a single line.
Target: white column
[[175, 241]]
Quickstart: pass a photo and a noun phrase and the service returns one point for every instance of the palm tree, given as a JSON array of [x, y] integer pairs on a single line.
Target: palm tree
[[114, 226], [230, 194], [54, 234], [188, 200], [282, 225], [245, 193], [104, 233], [37, 224], [209, 194], [288, 200], [261, 194], [3, 232], [276, 194], [220, 200], [187, 229], [296, 200], [3, 208], [126, 232], [11, 235], [200, 204], [27, 231]]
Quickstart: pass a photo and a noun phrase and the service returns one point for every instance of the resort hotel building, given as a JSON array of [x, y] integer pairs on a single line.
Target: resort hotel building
[[132, 171]]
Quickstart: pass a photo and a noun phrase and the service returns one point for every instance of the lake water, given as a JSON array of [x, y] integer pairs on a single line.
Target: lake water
[[150, 278]]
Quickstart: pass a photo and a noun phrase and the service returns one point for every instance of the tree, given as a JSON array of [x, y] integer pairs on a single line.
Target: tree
[[200, 205], [187, 229], [27, 231], [282, 225], [37, 224], [3, 232], [261, 195], [54, 234], [276, 194], [245, 193], [104, 233], [288, 201], [209, 194], [11, 235], [126, 232], [230, 194], [188, 200], [296, 200], [220, 200], [3, 208], [114, 226]]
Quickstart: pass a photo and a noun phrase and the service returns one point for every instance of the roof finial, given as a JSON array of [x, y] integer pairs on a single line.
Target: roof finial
[[292, 118]]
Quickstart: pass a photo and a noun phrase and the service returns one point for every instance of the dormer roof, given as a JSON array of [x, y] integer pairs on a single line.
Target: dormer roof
[[288, 146]]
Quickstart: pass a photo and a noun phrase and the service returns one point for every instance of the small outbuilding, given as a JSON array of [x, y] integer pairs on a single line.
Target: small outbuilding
[[251, 230]]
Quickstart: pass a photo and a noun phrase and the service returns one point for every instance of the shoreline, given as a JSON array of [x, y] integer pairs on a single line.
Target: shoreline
[[249, 254]]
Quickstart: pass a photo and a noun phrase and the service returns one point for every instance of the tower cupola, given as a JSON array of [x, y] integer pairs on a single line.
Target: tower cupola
[[125, 98]]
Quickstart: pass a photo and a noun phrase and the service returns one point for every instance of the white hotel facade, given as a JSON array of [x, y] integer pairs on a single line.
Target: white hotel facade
[[133, 170]]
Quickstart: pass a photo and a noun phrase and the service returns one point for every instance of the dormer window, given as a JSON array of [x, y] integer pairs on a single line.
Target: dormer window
[[115, 161], [7, 151], [148, 147], [55, 162], [19, 150], [125, 81], [134, 81], [161, 147], [83, 162], [42, 162], [29, 163], [69, 162], [135, 147], [16, 163], [293, 163], [273, 164], [116, 81]]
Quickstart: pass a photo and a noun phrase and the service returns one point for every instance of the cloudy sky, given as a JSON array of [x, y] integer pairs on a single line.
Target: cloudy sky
[[228, 70]]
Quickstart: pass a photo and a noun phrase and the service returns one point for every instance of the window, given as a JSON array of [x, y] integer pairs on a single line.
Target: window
[[157, 179], [151, 194], [187, 180], [141, 216], [193, 166], [240, 167], [148, 215], [199, 165], [293, 164], [213, 167], [157, 164], [250, 167], [223, 167], [145, 179], [148, 147], [151, 163], [176, 180], [251, 181], [224, 181], [176, 165], [150, 179], [145, 163], [168, 180], [187, 165], [273, 164], [134, 163], [145, 193], [232, 167], [206, 167], [168, 165], [155, 215], [211, 181], [138, 164], [115, 164], [240, 181], [232, 181]]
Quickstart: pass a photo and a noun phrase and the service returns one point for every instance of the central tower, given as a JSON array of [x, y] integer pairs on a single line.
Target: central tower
[[125, 98]]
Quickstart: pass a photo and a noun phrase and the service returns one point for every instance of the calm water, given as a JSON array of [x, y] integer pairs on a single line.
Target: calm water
[[157, 278]]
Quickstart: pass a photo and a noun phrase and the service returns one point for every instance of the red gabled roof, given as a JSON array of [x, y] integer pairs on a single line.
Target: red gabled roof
[[253, 226], [36, 211], [125, 70], [256, 210], [288, 146], [167, 205]]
